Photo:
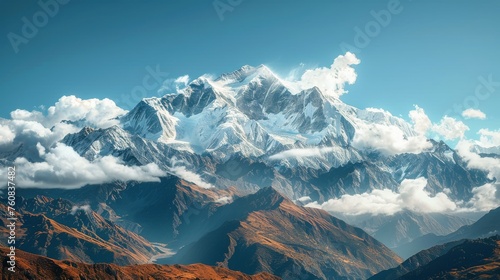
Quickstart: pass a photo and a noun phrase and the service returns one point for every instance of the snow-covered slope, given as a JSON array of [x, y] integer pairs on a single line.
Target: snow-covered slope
[[253, 112]]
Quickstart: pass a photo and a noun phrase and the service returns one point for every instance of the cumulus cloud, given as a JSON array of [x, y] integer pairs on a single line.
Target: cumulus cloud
[[68, 115], [485, 197], [388, 139], [99, 113], [474, 160], [176, 85], [85, 208], [331, 80], [62, 167], [473, 114], [6, 135], [420, 120], [31, 132], [450, 128], [411, 195], [489, 138]]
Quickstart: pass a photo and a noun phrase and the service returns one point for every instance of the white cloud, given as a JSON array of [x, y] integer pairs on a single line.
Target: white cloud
[[189, 176], [331, 80], [305, 199], [411, 195], [296, 73], [30, 132], [99, 113], [302, 153], [485, 197], [388, 140], [420, 120], [176, 85], [489, 164], [489, 138], [86, 208], [450, 128], [35, 126], [62, 167], [182, 80], [6, 135], [224, 199], [473, 114]]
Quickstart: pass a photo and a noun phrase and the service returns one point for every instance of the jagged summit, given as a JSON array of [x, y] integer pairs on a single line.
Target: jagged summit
[[246, 72], [253, 112]]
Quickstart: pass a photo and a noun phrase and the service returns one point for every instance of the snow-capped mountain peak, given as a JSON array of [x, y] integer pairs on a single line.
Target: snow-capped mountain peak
[[253, 112]]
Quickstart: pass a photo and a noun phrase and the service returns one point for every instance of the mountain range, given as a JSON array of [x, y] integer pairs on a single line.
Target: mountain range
[[250, 129], [244, 234], [487, 225], [267, 232], [463, 259], [406, 226], [249, 165], [30, 266]]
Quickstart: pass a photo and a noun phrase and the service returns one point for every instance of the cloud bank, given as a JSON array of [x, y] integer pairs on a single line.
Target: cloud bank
[[49, 164], [99, 113], [62, 167], [474, 160], [68, 115], [489, 138], [411, 195], [388, 140]]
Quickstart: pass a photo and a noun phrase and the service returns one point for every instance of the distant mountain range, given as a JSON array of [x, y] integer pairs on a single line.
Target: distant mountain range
[[405, 226], [486, 226], [464, 259], [458, 255]]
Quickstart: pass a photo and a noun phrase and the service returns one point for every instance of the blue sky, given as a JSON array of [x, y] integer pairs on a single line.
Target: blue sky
[[430, 53]]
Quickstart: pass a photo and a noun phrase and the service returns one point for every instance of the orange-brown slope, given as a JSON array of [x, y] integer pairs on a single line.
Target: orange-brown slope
[[90, 224], [44, 236], [290, 241], [30, 266]]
